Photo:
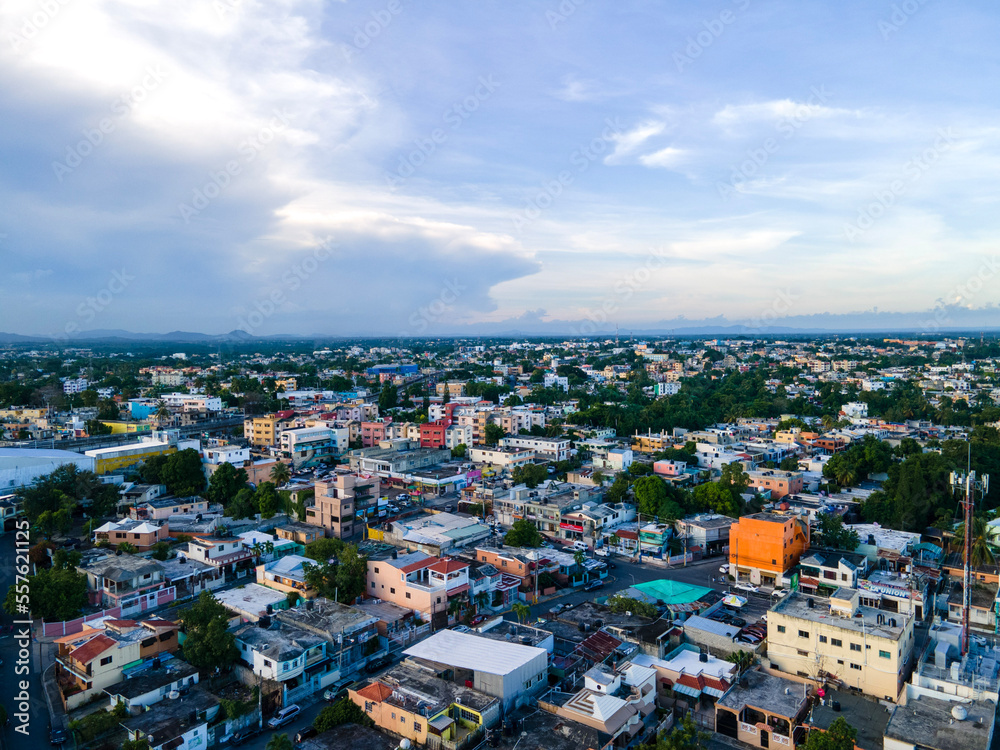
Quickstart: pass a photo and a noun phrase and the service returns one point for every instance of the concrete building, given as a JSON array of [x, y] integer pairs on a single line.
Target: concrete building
[[545, 448], [931, 723], [287, 575], [262, 432], [140, 534], [763, 547], [21, 467], [343, 502], [110, 460], [417, 581], [176, 724], [841, 642], [764, 711], [309, 446], [778, 483], [115, 580], [508, 671], [708, 531]]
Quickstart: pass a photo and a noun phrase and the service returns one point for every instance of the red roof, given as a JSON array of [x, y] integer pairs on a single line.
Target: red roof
[[448, 566], [627, 534], [375, 692], [92, 649], [121, 623], [419, 564]]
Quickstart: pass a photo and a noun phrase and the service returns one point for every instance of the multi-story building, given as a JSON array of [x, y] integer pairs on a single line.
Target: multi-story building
[[779, 483], [708, 531], [841, 642], [418, 581], [545, 448], [262, 432], [342, 502], [824, 571], [110, 460], [181, 724], [225, 454], [224, 553], [161, 508], [140, 534], [502, 458], [308, 446], [456, 435], [116, 579], [763, 547], [74, 385], [287, 574]]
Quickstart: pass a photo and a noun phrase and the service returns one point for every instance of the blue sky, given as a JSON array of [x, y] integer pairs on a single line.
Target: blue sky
[[392, 167]]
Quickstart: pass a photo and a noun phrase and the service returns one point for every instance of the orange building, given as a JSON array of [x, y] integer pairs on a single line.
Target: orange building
[[763, 547]]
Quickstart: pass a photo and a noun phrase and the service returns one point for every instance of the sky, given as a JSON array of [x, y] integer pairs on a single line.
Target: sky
[[401, 168]]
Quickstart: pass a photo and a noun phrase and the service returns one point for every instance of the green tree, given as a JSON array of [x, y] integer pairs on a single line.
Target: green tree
[[522, 611], [982, 550], [208, 642], [840, 736], [789, 463], [388, 397], [280, 474], [244, 505], [493, 434], [126, 548], [683, 736], [344, 711], [459, 450], [650, 495], [267, 500], [618, 490], [225, 482], [831, 532], [182, 473], [54, 594], [161, 551], [523, 533], [324, 549], [531, 475], [280, 741], [620, 604]]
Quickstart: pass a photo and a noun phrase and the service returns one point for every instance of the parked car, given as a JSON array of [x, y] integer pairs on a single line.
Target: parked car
[[748, 587], [557, 609], [393, 508], [303, 734], [244, 735], [595, 584], [751, 638], [57, 737], [737, 622], [380, 663], [724, 568], [284, 716], [478, 620], [461, 628], [779, 593]]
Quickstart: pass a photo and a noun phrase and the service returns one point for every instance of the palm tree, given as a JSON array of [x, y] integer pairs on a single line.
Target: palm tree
[[280, 474], [279, 742], [845, 475], [162, 413], [982, 550], [482, 599], [828, 421], [522, 610]]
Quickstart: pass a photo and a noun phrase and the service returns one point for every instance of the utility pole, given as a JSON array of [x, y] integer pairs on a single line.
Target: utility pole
[[968, 482]]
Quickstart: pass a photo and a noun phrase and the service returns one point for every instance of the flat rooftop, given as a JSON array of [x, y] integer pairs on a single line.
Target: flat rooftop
[[414, 688], [867, 716], [928, 723], [797, 605], [764, 691], [468, 651], [252, 599], [172, 718], [151, 678]]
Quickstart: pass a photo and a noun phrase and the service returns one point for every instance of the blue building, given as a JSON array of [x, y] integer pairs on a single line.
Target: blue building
[[399, 369]]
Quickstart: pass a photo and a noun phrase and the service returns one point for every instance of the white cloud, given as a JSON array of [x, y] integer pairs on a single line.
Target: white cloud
[[631, 140], [666, 158]]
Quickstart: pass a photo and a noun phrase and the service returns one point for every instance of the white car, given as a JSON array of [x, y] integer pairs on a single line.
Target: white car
[[724, 568], [284, 716], [746, 587]]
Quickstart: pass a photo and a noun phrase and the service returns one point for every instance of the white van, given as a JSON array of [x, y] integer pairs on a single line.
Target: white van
[[579, 545]]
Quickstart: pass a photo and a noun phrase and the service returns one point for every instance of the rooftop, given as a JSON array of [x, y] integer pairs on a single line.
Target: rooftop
[[172, 718], [281, 644], [123, 567], [764, 691], [327, 617], [474, 652], [929, 723], [150, 678], [867, 716], [868, 623], [413, 687], [347, 737], [251, 599]]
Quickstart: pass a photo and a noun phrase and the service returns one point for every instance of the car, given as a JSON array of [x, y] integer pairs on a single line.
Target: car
[[380, 663], [724, 568], [737, 622], [779, 593], [57, 737], [393, 508], [546, 545], [749, 638], [284, 716], [449, 508], [338, 691], [595, 584], [304, 734], [478, 620], [461, 628], [749, 587], [244, 735]]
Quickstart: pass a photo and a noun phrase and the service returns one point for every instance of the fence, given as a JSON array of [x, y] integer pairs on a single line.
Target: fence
[[406, 637], [130, 607]]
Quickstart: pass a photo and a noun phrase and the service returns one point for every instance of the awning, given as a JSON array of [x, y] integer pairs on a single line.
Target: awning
[[714, 692], [693, 692], [442, 722]]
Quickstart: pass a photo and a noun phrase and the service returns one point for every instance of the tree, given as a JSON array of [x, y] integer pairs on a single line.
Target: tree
[[244, 505], [267, 500], [388, 398], [161, 551], [459, 450], [280, 741], [522, 611], [522, 533], [280, 474], [789, 463], [618, 490], [208, 644], [840, 736], [344, 711], [832, 533], [620, 604], [324, 549], [182, 473], [225, 482], [982, 551], [683, 736], [493, 434], [650, 494], [54, 594], [530, 475], [127, 548]]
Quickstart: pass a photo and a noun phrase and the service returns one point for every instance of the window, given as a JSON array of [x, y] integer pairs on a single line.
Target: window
[[856, 666], [106, 660], [392, 590], [781, 628], [803, 634], [373, 584], [376, 570], [836, 642], [802, 653], [407, 594], [822, 639], [884, 654], [416, 726], [855, 647]]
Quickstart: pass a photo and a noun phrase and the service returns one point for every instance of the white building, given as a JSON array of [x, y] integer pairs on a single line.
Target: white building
[[74, 385], [192, 402], [225, 454], [546, 448], [20, 467], [556, 381], [667, 389]]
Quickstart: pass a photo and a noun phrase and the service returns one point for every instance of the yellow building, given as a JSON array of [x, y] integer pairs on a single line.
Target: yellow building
[[651, 443], [261, 432], [127, 428], [841, 642], [107, 460]]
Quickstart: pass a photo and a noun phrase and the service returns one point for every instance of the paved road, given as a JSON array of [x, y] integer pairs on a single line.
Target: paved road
[[305, 719]]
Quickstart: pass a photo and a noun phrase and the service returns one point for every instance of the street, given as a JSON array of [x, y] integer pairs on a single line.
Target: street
[[303, 720]]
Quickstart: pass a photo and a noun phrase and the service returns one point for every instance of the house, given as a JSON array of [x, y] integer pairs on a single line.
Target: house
[[708, 531], [140, 534], [342, 502], [435, 533], [688, 673], [352, 636], [225, 553], [268, 547], [181, 724], [132, 494], [764, 547], [763, 710], [504, 670], [161, 508], [282, 654], [287, 575], [252, 602], [146, 683], [122, 579], [777, 483], [300, 533], [823, 571], [544, 448], [418, 581], [841, 642], [931, 723], [413, 703], [190, 577], [90, 661]]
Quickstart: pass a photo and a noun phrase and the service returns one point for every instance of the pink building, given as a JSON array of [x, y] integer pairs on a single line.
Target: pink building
[[669, 468], [418, 582]]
